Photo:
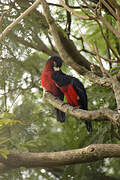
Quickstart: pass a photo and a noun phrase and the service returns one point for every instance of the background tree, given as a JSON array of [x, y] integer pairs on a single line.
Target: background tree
[[33, 145]]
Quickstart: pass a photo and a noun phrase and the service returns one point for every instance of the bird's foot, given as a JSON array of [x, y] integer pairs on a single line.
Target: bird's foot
[[76, 107], [65, 103]]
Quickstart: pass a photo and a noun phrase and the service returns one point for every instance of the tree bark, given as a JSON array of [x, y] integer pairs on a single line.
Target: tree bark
[[96, 115], [88, 154]]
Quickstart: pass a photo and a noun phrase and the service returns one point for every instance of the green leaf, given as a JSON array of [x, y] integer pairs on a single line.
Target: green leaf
[[4, 153]]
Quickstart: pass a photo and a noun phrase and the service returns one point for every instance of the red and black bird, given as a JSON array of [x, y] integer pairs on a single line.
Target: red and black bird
[[73, 89], [50, 85]]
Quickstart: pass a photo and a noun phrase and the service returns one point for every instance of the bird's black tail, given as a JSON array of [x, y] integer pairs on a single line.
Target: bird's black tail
[[60, 116], [89, 126]]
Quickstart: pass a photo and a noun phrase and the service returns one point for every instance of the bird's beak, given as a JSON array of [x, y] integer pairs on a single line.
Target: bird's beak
[[56, 68]]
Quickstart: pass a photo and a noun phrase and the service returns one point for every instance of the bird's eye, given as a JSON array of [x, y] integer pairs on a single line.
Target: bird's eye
[[55, 64]]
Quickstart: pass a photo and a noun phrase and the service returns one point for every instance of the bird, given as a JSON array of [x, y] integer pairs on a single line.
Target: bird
[[48, 84], [73, 90]]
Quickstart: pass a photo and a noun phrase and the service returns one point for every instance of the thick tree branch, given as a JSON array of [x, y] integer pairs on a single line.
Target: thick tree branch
[[91, 153], [24, 14], [96, 115]]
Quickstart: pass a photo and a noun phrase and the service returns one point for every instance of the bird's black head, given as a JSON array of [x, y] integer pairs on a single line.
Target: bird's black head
[[57, 61]]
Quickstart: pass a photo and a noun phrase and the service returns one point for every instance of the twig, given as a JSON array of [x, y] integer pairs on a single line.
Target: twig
[[109, 8], [5, 12], [106, 40], [8, 28], [104, 21], [104, 71], [109, 26], [72, 7], [73, 12], [81, 6]]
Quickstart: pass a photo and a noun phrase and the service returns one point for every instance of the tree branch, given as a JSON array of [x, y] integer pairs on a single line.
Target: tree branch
[[99, 59], [109, 26], [103, 20], [73, 12], [110, 9], [107, 41], [40, 47], [8, 28], [89, 154], [96, 115]]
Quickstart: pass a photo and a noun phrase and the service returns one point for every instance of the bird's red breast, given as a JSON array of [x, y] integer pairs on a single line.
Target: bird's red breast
[[46, 80]]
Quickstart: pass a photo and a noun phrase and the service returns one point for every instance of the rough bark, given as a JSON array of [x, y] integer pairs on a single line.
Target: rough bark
[[89, 154], [96, 115]]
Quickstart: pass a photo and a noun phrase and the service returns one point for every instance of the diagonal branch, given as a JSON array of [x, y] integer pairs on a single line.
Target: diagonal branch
[[114, 80], [98, 58], [107, 41], [104, 21], [8, 28], [109, 26], [96, 115], [110, 9], [40, 47], [104, 71], [73, 12]]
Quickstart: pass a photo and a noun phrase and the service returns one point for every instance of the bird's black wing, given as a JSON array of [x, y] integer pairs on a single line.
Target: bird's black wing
[[83, 101], [60, 78]]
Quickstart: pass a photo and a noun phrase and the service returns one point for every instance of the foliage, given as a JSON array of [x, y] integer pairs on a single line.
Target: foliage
[[6, 123], [27, 122]]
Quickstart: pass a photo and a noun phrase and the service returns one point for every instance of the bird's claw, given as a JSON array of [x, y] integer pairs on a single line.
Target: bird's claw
[[76, 107], [65, 103]]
